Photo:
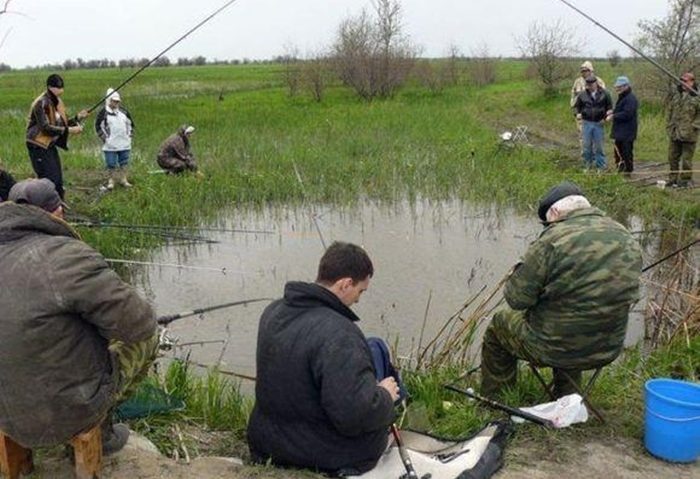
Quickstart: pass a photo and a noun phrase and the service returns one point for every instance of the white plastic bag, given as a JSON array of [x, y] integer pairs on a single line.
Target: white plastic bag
[[564, 412]]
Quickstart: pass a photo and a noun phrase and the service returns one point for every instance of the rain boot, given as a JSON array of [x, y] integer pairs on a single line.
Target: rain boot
[[122, 178], [110, 179], [114, 436]]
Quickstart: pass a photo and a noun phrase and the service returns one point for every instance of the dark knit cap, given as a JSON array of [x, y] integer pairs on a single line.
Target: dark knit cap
[[562, 190], [41, 193], [54, 81]]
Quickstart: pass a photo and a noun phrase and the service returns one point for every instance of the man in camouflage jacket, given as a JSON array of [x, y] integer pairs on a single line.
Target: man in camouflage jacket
[[569, 298], [175, 155], [682, 126]]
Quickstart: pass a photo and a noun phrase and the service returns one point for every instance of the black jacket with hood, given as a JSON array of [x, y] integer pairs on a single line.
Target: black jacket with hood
[[318, 404]]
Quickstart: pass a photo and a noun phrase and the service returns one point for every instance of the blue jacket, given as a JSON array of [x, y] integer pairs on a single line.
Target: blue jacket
[[624, 127]]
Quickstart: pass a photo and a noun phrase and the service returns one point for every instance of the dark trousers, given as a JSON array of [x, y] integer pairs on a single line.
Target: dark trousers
[[382, 364], [47, 164], [624, 155], [680, 159]]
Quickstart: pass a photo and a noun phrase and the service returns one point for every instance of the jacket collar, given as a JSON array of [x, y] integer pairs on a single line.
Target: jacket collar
[[17, 221], [311, 295]]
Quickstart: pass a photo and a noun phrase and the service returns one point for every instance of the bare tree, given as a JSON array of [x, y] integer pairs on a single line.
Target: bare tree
[[614, 58], [674, 42], [6, 11], [547, 46], [291, 73], [315, 75], [371, 53], [482, 67]]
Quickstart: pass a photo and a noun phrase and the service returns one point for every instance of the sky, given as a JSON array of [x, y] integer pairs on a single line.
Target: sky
[[50, 31]]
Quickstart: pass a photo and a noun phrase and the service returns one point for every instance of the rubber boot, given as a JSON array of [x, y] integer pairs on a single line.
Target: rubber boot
[[122, 178], [110, 179]]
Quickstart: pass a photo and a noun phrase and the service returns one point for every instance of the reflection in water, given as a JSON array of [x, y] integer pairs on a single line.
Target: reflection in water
[[444, 250]]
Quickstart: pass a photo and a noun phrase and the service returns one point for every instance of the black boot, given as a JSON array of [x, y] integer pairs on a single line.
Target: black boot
[[114, 436]]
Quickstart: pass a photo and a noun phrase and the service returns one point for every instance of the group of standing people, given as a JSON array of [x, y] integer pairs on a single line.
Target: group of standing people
[[49, 128], [592, 106]]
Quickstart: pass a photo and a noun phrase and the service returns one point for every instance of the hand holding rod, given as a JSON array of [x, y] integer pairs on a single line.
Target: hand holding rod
[[502, 407], [165, 320]]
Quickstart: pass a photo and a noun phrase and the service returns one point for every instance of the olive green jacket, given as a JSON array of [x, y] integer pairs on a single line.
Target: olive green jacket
[[576, 284], [683, 120]]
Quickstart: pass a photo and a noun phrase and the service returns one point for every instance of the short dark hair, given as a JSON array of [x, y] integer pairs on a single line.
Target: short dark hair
[[343, 260]]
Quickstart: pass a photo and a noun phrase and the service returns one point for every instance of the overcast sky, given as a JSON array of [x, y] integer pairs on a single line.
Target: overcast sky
[[50, 31]]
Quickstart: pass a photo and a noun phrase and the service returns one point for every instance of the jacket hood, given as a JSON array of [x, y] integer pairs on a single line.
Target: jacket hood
[[111, 95], [309, 295], [17, 221]]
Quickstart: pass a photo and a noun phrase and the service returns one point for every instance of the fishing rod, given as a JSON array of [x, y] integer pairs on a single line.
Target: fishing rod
[[167, 265], [405, 458], [628, 45], [154, 59], [671, 255], [313, 214], [502, 407], [100, 224], [165, 320]]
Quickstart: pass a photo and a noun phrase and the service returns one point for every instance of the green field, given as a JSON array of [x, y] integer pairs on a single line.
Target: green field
[[418, 143]]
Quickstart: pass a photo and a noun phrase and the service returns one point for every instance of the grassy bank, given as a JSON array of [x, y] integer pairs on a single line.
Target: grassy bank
[[248, 143]]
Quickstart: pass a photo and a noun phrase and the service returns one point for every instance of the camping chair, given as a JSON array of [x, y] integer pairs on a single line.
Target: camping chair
[[582, 390], [87, 448], [520, 134]]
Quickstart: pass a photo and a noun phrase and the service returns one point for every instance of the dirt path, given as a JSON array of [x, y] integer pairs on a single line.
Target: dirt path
[[608, 460]]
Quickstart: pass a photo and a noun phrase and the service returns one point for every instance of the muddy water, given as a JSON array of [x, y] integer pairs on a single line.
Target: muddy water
[[445, 251]]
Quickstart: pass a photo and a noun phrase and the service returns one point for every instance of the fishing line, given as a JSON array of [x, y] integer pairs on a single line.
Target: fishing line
[[628, 45], [154, 59]]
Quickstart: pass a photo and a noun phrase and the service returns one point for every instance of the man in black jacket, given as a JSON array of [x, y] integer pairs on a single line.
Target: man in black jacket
[[624, 128], [593, 105], [319, 404]]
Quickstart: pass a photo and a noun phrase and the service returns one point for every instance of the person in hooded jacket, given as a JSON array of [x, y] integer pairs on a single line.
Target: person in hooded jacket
[[319, 400], [578, 87], [115, 127], [76, 340], [624, 125], [48, 129], [175, 154]]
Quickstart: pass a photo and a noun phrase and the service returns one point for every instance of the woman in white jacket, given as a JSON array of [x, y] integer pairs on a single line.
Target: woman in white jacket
[[115, 128]]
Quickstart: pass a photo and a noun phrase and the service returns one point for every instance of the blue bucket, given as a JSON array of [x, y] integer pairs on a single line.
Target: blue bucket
[[672, 419]]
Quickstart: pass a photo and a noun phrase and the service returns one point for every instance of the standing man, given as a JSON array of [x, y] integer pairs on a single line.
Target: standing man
[[592, 106], [319, 403], [624, 125], [48, 129], [568, 299], [76, 339], [175, 154], [115, 128], [578, 87], [683, 123]]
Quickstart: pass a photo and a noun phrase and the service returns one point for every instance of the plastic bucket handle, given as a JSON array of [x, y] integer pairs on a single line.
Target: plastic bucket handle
[[673, 419]]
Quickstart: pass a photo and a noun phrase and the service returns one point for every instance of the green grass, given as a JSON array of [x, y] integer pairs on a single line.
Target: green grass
[[417, 143]]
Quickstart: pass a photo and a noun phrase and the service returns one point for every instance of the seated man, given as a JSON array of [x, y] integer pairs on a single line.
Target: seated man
[[568, 299], [175, 155], [75, 338], [319, 404]]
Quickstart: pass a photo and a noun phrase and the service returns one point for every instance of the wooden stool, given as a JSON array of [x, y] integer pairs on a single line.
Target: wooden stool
[[87, 447]]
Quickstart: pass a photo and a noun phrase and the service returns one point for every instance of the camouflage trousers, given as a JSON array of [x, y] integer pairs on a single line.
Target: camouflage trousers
[[133, 361], [507, 339], [680, 157]]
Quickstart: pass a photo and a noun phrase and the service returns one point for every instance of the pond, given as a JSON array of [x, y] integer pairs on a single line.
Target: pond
[[441, 252]]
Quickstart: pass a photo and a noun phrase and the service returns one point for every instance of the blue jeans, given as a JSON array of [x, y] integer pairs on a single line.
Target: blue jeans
[[116, 159], [593, 145], [382, 364]]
